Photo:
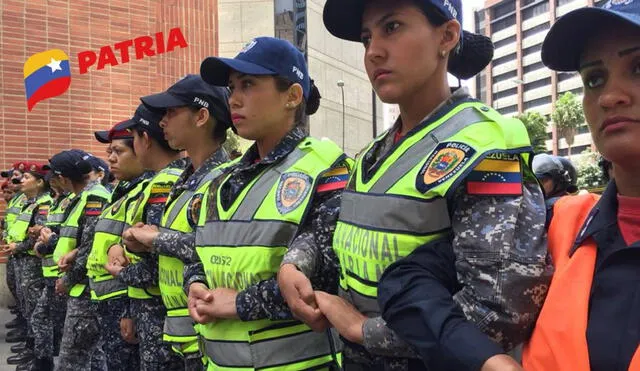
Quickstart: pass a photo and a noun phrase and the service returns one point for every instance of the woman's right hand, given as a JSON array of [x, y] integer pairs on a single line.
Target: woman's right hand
[[199, 298], [128, 330]]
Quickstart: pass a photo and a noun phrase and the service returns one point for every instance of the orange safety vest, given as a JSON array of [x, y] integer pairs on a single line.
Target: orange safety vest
[[559, 340]]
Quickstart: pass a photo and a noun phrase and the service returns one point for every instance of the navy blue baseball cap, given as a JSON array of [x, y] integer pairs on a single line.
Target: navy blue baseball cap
[[148, 119], [193, 91], [69, 164], [263, 56], [564, 44], [343, 19], [96, 163]]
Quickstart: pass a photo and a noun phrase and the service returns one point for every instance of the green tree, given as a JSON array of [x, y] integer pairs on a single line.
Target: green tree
[[568, 116], [232, 143], [537, 128], [590, 175]]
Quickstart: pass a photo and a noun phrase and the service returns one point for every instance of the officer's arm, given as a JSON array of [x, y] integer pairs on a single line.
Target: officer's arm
[[501, 261], [87, 223], [142, 274], [179, 245], [49, 247], [415, 295], [193, 272]]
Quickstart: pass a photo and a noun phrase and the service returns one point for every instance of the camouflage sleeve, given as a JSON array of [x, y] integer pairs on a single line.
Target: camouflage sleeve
[[78, 271], [311, 250], [501, 261], [141, 274], [48, 248], [178, 245], [194, 272], [380, 340], [24, 246]]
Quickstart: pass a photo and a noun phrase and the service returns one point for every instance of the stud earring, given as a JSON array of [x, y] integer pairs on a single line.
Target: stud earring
[[443, 53]]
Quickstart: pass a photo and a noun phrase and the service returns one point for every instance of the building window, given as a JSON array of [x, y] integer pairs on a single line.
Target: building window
[[533, 67], [537, 102], [535, 10], [505, 93], [537, 84], [574, 150], [539, 28], [480, 21], [505, 76], [532, 49], [577, 91], [508, 110], [501, 24], [501, 10], [481, 86], [506, 59], [503, 42], [562, 76], [565, 2]]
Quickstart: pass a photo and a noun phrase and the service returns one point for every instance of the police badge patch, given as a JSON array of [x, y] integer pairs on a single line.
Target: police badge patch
[[444, 162], [193, 213], [292, 190]]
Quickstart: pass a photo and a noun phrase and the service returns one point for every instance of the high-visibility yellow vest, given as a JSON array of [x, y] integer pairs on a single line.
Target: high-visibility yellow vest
[[57, 215], [11, 214], [20, 228], [245, 245], [179, 328], [134, 214], [402, 204], [108, 232], [70, 228]]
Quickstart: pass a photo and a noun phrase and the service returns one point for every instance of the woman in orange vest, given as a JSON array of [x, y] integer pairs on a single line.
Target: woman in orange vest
[[591, 317]]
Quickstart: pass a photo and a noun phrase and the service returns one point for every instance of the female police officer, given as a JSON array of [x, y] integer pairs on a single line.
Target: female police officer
[[589, 320], [273, 206], [449, 189]]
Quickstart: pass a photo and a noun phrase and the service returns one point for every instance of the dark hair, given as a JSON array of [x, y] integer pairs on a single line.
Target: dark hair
[[308, 106], [40, 177], [436, 18], [219, 131], [84, 168]]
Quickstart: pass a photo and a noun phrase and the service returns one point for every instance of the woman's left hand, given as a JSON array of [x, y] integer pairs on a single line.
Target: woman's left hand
[[221, 305], [342, 315]]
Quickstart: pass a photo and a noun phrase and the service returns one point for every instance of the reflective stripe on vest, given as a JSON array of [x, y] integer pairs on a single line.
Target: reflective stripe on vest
[[48, 262], [134, 214], [245, 245], [385, 217], [559, 341], [179, 326], [300, 343], [57, 216], [20, 228], [111, 226], [70, 232]]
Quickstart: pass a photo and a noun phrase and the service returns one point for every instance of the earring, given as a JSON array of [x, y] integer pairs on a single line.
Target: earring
[[443, 53], [289, 105]]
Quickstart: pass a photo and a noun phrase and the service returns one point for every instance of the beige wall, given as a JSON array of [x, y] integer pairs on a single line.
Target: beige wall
[[330, 60]]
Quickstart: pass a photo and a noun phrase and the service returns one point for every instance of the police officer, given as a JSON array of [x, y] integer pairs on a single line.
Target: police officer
[[49, 314], [147, 206], [23, 233], [14, 205], [80, 348], [271, 207], [108, 292], [447, 194], [200, 131], [589, 319], [557, 175]]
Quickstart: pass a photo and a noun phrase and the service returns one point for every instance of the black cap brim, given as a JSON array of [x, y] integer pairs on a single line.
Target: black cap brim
[[343, 19], [6, 174], [163, 100], [102, 136], [216, 71], [564, 44]]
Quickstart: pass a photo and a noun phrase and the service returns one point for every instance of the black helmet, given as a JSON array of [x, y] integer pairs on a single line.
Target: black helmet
[[559, 169]]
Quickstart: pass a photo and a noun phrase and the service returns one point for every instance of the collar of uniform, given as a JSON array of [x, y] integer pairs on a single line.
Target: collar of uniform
[[218, 158], [603, 215], [282, 149], [91, 184], [180, 163]]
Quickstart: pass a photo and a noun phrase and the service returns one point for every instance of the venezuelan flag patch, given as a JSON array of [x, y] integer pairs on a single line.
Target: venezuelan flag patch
[[333, 180], [93, 208], [43, 209], [159, 193], [497, 175]]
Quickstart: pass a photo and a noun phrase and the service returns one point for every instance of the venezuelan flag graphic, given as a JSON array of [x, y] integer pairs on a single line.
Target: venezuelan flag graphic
[[333, 180], [46, 75], [494, 177]]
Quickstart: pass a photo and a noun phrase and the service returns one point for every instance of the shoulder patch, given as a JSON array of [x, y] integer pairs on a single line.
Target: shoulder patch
[[445, 161], [292, 190], [159, 193], [193, 211], [499, 174], [333, 179], [43, 209], [93, 208]]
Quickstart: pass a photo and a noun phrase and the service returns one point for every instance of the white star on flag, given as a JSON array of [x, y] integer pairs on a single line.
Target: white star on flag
[[55, 65]]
